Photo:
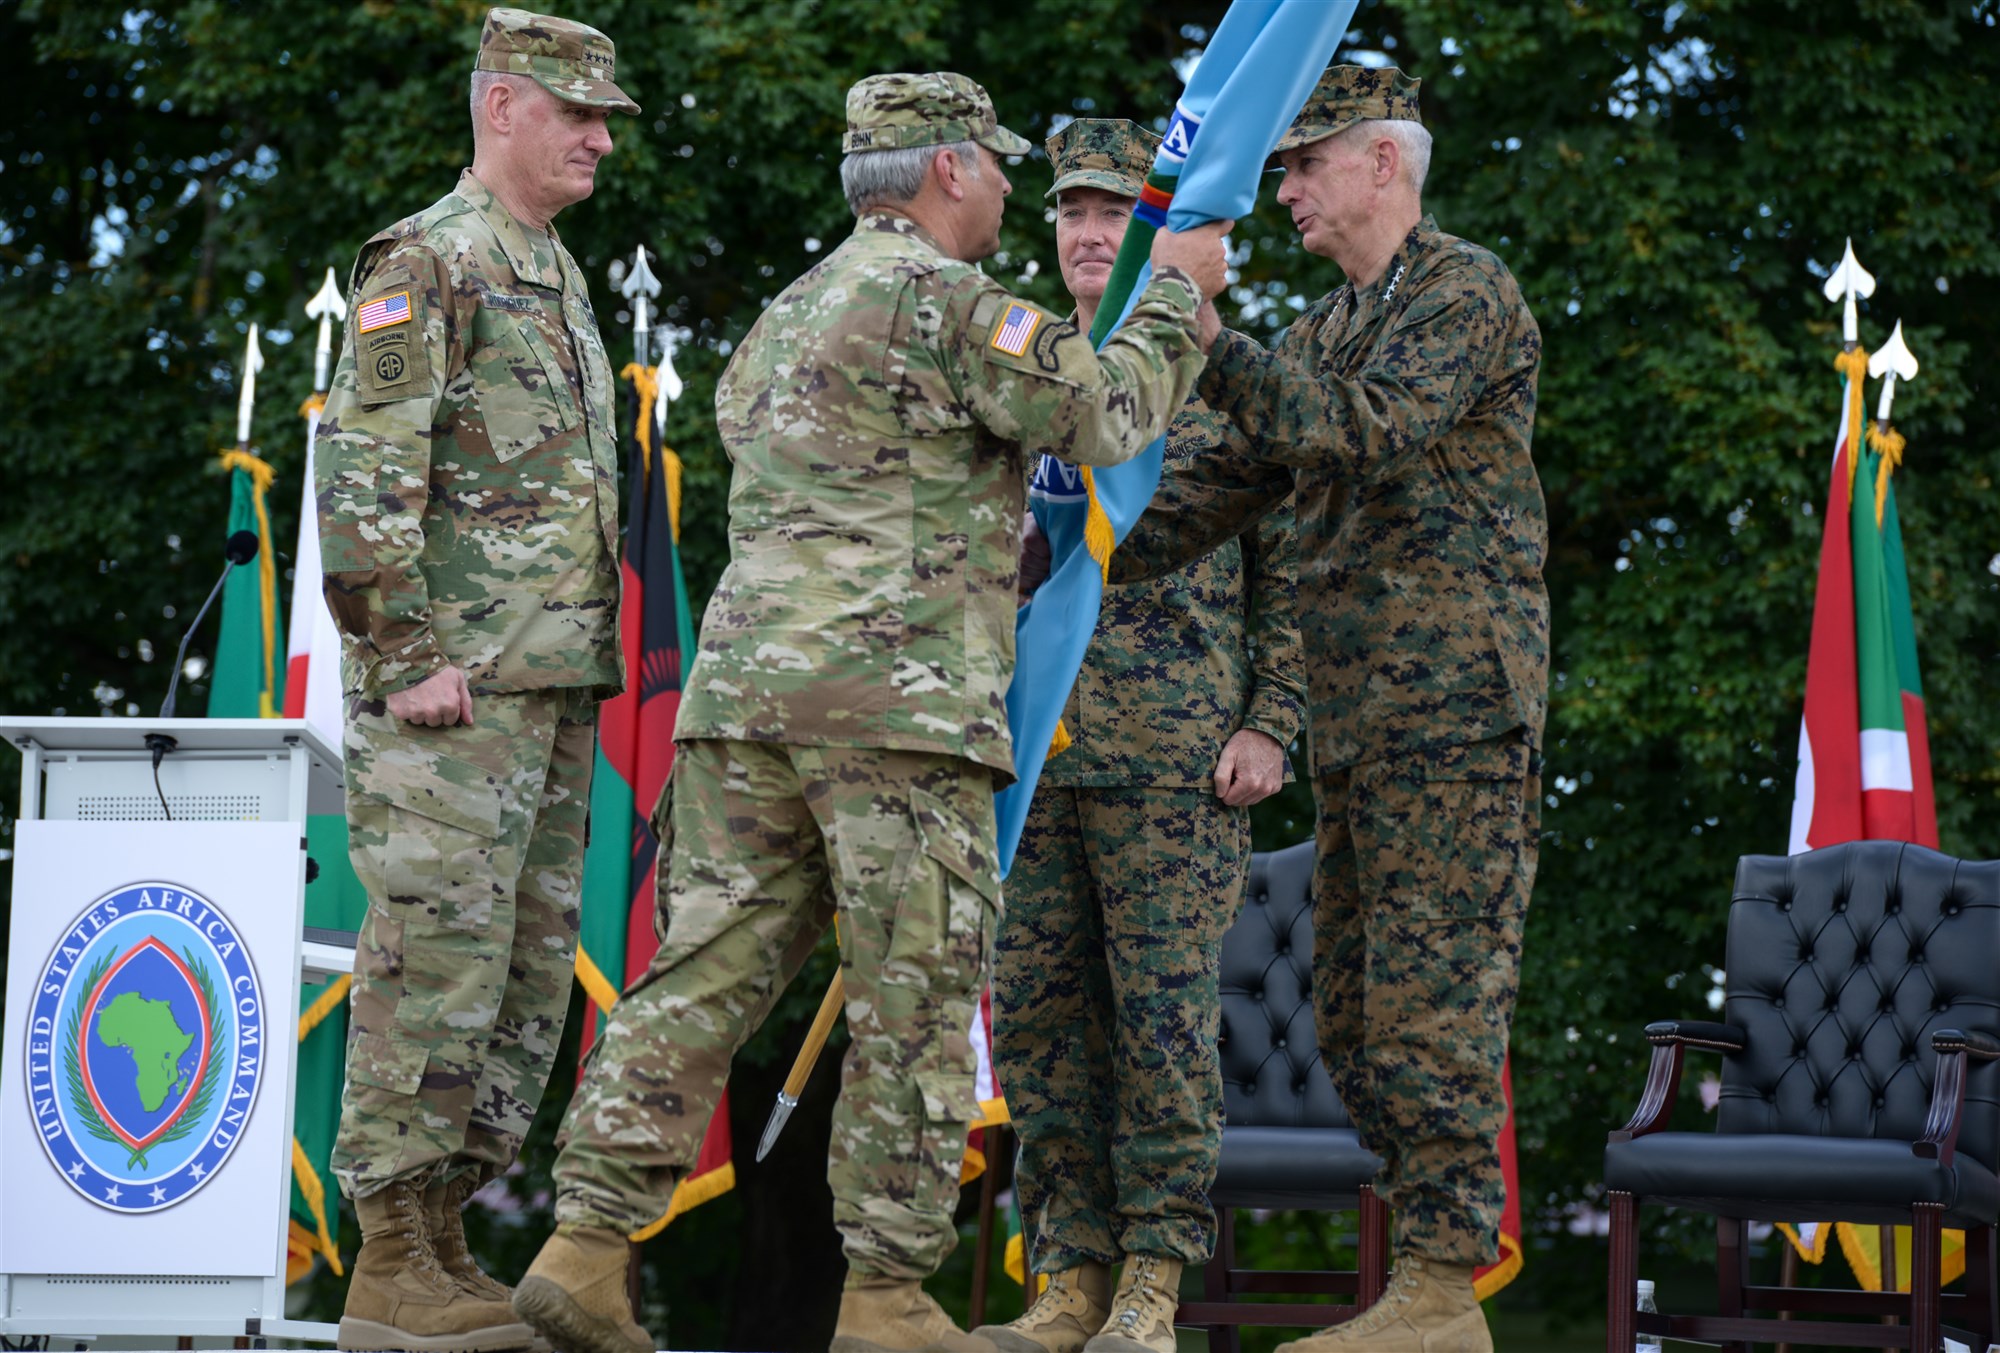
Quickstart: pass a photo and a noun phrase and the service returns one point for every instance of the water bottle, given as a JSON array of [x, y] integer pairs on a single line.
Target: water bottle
[[1648, 1343]]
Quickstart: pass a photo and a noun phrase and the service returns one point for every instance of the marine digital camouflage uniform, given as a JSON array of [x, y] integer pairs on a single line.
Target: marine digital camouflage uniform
[[1130, 867], [1399, 416], [842, 729], [469, 516]]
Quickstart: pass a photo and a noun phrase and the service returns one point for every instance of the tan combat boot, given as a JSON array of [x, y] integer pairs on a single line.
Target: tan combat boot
[[1428, 1307], [574, 1293], [896, 1315], [400, 1297], [1142, 1311], [1063, 1318], [444, 1208]]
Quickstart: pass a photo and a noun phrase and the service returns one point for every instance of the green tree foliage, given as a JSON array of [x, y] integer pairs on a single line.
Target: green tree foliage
[[1670, 182]]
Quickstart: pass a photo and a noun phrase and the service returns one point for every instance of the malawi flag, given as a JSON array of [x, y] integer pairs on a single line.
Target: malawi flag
[[635, 750], [1864, 748]]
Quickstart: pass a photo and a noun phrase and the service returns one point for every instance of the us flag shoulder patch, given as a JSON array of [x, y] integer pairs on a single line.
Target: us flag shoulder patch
[[383, 311], [1015, 328]]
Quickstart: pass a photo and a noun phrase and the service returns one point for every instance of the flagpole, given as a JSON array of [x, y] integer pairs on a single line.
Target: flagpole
[[830, 1007]]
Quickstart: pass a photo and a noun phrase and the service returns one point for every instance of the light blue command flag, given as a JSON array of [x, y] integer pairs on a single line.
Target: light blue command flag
[[1249, 84]]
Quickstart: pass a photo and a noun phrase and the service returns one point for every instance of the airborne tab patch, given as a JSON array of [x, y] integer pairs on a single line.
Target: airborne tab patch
[[1015, 329], [384, 311]]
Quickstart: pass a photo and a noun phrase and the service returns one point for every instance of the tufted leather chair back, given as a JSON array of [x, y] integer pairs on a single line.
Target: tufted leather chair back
[[1271, 1072], [1841, 964]]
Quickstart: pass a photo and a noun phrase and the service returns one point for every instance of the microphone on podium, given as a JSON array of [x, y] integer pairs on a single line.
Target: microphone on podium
[[241, 548]]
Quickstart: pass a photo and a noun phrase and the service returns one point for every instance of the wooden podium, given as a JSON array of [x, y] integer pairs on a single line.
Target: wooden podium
[[153, 969]]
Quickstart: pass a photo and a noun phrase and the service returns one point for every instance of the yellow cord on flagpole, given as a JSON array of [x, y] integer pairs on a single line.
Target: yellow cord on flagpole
[[645, 380], [1887, 443], [1853, 366], [267, 572]]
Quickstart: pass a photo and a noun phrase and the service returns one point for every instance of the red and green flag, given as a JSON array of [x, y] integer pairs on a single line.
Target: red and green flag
[[635, 751], [1864, 747], [1864, 744]]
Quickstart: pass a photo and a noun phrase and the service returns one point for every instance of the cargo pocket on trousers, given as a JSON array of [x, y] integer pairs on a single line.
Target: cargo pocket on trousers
[[951, 1107], [383, 1078], [438, 862], [1458, 843], [945, 918]]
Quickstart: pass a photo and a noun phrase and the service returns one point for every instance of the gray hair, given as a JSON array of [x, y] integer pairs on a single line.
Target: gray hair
[[889, 178], [1413, 141], [483, 80]]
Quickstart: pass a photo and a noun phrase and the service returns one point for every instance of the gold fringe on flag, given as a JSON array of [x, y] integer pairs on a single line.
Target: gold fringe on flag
[[1097, 534], [267, 572], [645, 380], [1887, 443], [304, 1245], [315, 404], [689, 1195], [1853, 367]]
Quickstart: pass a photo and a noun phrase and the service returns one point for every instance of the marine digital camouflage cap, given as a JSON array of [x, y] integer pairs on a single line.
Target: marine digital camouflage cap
[[1346, 95], [571, 60], [1111, 153], [891, 112]]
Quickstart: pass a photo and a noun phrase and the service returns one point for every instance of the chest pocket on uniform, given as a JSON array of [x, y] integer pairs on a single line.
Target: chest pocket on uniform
[[523, 394]]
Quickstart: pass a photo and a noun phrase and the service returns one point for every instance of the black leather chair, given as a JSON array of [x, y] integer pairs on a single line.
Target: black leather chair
[[1286, 1141], [1858, 1084]]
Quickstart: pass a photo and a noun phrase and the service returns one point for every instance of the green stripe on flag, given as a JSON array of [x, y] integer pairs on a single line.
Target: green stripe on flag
[[1874, 629], [607, 884], [1902, 624], [238, 676]]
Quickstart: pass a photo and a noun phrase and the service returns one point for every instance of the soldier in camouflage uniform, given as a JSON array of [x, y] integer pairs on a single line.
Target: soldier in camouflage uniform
[[842, 729], [468, 508], [1398, 411], [1133, 862]]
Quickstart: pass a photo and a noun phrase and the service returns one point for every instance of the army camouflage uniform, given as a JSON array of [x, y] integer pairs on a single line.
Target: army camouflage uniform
[[842, 729], [1130, 867], [1399, 417], [468, 507]]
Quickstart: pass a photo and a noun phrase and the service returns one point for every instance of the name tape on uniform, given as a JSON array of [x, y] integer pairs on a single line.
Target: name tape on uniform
[[384, 311], [1015, 328]]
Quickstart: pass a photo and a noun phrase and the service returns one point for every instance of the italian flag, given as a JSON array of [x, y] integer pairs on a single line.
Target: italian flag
[[1864, 749]]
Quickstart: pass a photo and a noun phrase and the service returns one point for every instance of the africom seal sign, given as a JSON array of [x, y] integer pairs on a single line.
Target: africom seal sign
[[145, 1047]]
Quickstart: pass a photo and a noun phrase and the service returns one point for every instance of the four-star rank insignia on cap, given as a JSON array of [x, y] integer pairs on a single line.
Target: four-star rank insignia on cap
[[1015, 328], [383, 311]]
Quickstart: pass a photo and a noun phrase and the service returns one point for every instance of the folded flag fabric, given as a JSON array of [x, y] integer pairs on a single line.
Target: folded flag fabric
[[1249, 84]]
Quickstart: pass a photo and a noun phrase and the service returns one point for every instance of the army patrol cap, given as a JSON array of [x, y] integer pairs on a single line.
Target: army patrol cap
[[1111, 153], [891, 112], [572, 61], [1346, 95]]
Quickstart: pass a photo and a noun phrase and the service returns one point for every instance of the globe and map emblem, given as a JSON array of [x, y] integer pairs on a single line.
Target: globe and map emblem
[[145, 1047]]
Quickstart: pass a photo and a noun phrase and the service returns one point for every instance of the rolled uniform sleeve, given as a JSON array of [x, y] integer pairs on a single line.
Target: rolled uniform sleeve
[[373, 464], [1278, 688], [1030, 376], [1415, 386]]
